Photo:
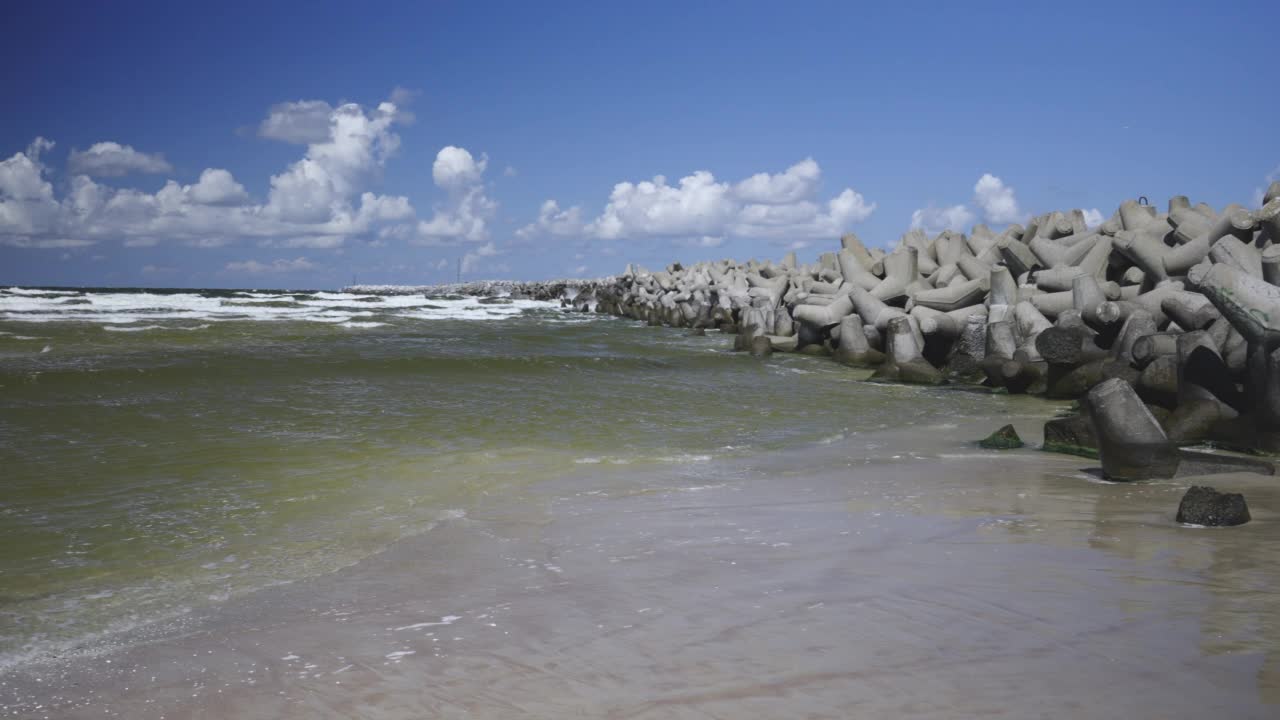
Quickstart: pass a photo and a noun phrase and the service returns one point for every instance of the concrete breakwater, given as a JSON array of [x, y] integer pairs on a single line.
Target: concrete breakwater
[[1164, 325], [548, 290]]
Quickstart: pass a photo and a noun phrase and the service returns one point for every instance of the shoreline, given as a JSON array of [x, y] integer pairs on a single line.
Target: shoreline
[[855, 573]]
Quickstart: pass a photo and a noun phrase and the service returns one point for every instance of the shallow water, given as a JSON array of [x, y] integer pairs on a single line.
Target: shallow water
[[534, 513]]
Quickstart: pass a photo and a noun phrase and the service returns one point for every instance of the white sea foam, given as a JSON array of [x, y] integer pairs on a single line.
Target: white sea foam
[[38, 293], [134, 312], [133, 328], [684, 458], [446, 620], [362, 324]]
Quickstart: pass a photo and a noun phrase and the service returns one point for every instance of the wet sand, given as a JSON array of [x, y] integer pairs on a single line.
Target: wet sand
[[867, 578]]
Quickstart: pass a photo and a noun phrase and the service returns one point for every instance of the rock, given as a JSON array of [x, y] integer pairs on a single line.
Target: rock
[[1006, 438], [1205, 506], [697, 332]]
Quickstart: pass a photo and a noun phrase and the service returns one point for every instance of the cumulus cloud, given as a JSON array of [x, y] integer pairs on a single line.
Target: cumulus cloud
[[781, 206], [318, 186], [318, 201], [555, 222], [792, 185], [253, 267], [471, 261], [455, 168], [216, 187], [302, 122], [1093, 217], [27, 204], [465, 216], [996, 200], [934, 219], [111, 159]]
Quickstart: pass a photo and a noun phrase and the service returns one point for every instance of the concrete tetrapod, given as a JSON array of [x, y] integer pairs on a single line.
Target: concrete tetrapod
[[853, 348], [1131, 444], [1250, 304], [904, 357]]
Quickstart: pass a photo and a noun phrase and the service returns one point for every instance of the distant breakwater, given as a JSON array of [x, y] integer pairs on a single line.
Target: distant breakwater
[[545, 290]]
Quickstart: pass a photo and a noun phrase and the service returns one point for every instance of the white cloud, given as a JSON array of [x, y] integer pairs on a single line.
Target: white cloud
[[323, 242], [996, 200], [38, 146], [217, 187], [792, 185], [318, 186], [465, 217], [455, 168], [27, 203], [509, 171], [1259, 193], [471, 261], [1093, 217], [554, 222], [698, 206], [441, 264], [302, 122], [579, 271], [45, 243], [779, 206], [21, 179], [254, 267], [318, 201], [934, 219], [111, 159]]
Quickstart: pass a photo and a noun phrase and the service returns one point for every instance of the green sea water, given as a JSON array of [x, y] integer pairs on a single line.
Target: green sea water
[[160, 453]]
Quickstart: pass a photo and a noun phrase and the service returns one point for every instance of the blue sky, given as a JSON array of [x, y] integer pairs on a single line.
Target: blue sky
[[299, 145]]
